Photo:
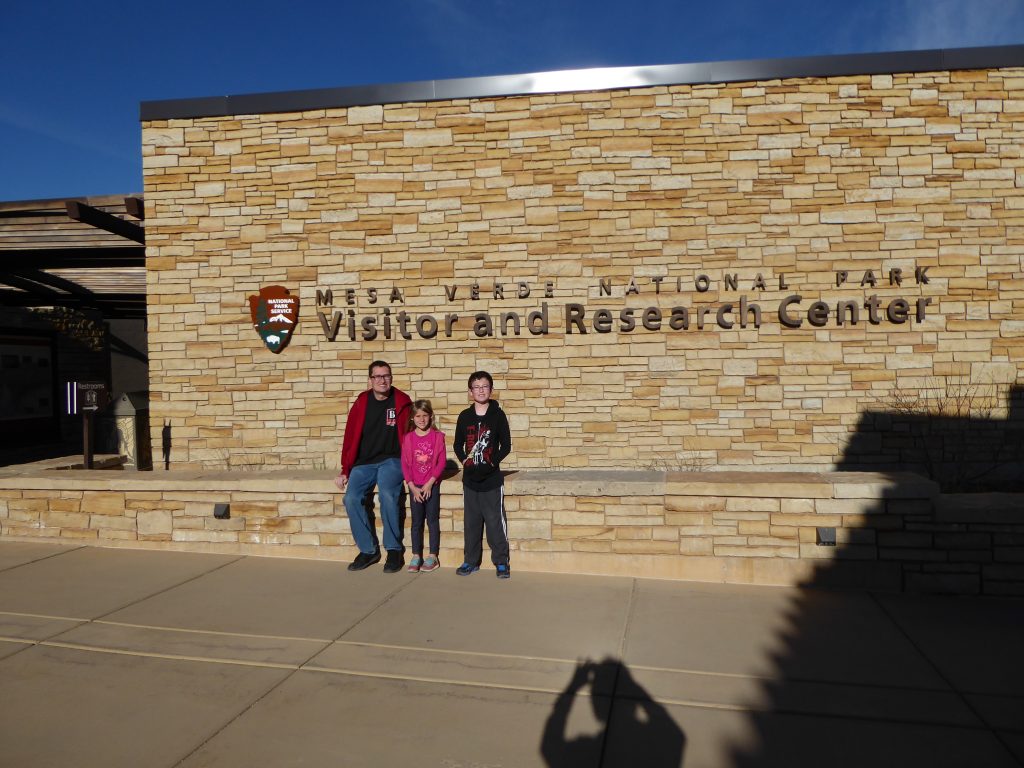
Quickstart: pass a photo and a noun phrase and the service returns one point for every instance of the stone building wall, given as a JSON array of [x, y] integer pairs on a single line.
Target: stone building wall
[[756, 191]]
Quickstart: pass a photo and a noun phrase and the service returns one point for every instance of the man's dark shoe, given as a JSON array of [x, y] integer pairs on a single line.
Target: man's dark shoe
[[465, 569], [364, 560], [394, 562], [504, 572]]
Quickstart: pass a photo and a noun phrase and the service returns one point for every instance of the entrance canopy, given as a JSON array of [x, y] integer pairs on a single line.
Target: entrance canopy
[[81, 253]]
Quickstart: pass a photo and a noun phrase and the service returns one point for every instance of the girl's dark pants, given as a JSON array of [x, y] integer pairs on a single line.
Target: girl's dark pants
[[431, 511]]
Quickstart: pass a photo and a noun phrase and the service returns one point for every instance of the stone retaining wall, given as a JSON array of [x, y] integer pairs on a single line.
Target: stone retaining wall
[[892, 532]]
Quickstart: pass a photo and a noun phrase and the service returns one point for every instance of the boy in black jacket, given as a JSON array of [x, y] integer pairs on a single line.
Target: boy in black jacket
[[482, 440]]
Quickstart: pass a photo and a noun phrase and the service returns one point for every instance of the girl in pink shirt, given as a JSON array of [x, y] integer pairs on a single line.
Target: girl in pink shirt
[[423, 461]]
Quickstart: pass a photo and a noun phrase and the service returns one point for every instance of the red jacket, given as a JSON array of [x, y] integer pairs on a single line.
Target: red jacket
[[354, 426]]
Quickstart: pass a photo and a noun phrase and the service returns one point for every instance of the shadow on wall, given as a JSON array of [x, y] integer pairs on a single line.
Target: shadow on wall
[[644, 732], [844, 678], [947, 436], [869, 677]]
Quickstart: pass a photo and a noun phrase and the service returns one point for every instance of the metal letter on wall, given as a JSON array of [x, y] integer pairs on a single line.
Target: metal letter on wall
[[275, 313]]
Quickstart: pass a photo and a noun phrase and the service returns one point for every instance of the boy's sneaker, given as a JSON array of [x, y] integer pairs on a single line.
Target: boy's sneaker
[[504, 572], [364, 560], [394, 561], [415, 564], [430, 563], [465, 569]]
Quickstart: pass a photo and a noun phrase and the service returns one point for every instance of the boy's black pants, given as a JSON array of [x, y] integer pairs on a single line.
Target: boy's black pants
[[485, 510]]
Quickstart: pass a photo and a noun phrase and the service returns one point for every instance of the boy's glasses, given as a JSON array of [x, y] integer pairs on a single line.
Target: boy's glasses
[[481, 388], [385, 377]]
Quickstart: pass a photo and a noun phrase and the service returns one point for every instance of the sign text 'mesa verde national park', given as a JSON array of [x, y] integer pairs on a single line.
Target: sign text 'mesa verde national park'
[[372, 312]]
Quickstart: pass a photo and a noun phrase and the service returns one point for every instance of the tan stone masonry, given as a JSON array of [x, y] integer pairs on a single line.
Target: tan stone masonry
[[793, 180], [892, 532]]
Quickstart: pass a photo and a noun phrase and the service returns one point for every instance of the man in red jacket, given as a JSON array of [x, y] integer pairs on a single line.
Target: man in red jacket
[[371, 455]]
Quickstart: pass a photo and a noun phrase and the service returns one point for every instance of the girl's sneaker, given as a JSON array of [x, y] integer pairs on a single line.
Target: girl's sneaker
[[415, 564], [431, 563]]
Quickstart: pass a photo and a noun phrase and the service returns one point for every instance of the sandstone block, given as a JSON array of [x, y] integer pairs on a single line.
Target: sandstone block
[[645, 546], [438, 137], [196, 536], [695, 546], [103, 503], [694, 504], [366, 115], [321, 525], [64, 519], [306, 509], [530, 529], [112, 523], [154, 522], [272, 524]]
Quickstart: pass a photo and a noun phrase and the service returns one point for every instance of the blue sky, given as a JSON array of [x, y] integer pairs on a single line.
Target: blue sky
[[74, 72]]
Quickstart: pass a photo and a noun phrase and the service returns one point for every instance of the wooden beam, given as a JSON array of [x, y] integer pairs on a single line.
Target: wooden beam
[[116, 305], [33, 289], [94, 217], [122, 347], [135, 206], [54, 281], [67, 258]]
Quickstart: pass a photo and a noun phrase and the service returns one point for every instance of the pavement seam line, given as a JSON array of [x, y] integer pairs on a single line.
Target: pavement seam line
[[799, 680], [66, 551], [956, 691], [432, 680], [169, 588], [209, 632], [171, 656], [694, 703], [387, 599], [818, 714], [304, 667], [618, 672], [44, 616], [146, 597], [630, 608], [154, 594], [289, 676], [486, 654]]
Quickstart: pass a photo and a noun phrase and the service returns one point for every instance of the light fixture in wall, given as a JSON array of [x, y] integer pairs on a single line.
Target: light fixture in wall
[[825, 537], [222, 511]]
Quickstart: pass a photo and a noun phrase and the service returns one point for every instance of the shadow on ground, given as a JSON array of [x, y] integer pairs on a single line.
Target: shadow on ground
[[962, 704], [644, 730], [874, 660]]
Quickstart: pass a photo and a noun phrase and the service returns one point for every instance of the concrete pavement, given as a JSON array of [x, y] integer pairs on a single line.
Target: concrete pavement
[[117, 657]]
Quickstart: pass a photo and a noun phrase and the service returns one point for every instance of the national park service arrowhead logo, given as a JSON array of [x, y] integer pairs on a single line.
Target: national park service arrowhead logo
[[275, 313]]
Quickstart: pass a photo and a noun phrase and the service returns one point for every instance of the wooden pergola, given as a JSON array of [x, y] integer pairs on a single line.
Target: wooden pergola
[[81, 253]]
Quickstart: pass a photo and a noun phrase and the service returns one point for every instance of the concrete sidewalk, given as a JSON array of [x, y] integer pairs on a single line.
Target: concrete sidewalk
[[116, 657]]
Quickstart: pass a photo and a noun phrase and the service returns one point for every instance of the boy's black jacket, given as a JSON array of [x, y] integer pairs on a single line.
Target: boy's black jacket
[[481, 443]]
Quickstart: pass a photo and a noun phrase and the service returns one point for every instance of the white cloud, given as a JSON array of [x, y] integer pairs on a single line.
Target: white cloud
[[33, 123], [918, 25]]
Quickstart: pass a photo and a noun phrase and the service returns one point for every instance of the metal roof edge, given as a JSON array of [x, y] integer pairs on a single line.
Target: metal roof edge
[[581, 80]]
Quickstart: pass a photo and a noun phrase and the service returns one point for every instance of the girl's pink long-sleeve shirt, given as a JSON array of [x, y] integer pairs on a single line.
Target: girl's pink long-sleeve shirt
[[423, 457]]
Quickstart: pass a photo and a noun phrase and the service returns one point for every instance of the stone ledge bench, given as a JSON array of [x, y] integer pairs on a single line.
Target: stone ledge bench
[[890, 531]]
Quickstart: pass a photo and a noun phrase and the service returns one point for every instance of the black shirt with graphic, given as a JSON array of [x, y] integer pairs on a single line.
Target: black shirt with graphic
[[481, 443], [379, 440]]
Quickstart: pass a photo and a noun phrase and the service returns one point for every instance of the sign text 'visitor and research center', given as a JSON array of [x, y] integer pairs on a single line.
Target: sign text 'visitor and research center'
[[354, 323]]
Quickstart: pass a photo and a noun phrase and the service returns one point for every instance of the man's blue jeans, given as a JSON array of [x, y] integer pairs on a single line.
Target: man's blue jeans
[[387, 476]]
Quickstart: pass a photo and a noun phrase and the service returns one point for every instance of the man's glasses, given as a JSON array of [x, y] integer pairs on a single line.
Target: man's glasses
[[384, 377]]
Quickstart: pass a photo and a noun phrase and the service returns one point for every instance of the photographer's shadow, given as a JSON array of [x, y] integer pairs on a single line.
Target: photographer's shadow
[[634, 729]]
